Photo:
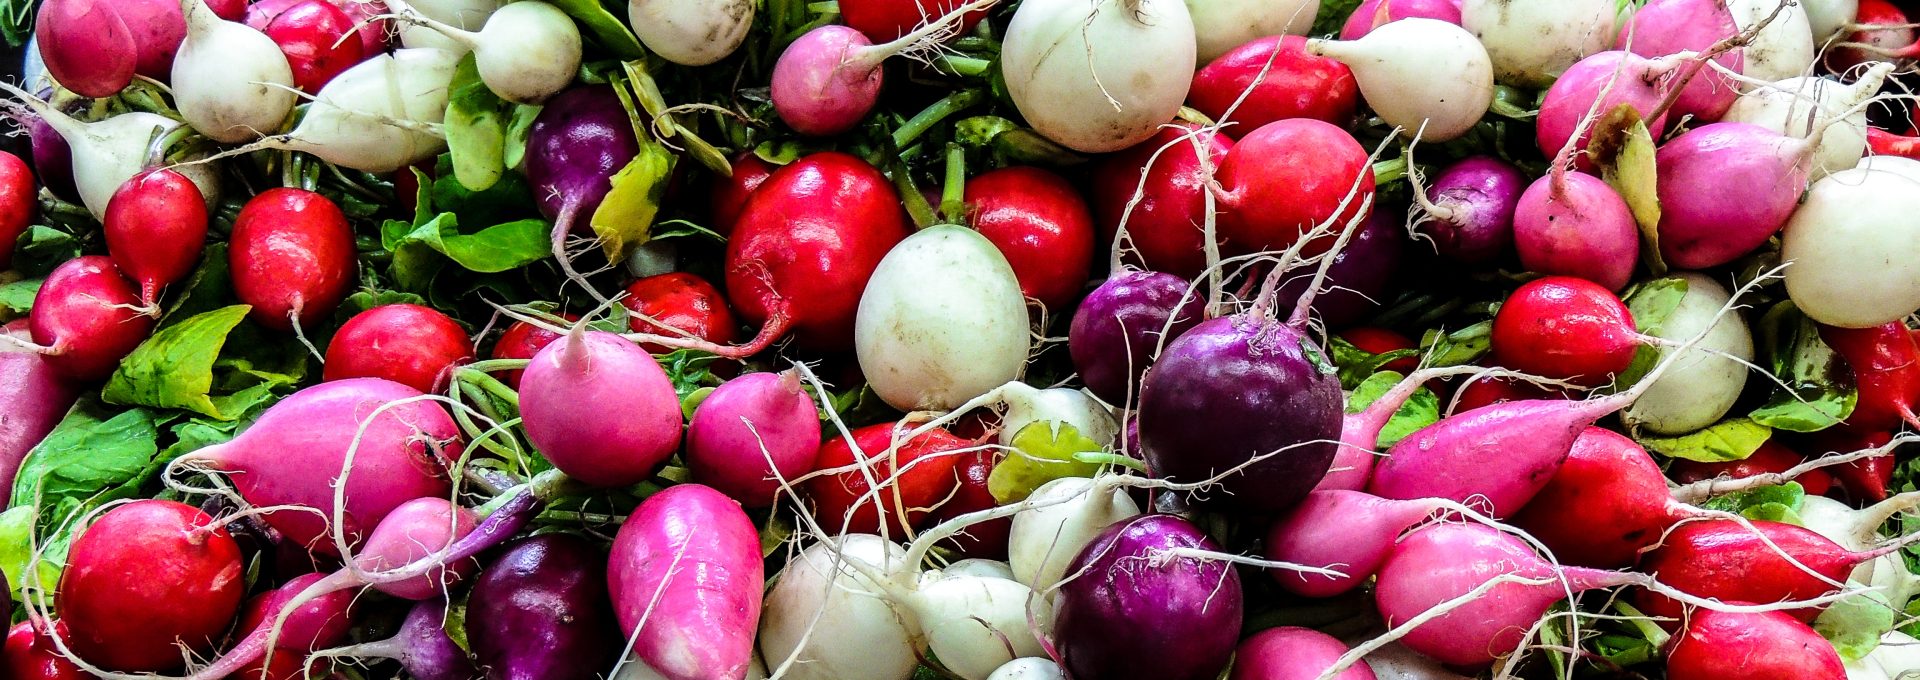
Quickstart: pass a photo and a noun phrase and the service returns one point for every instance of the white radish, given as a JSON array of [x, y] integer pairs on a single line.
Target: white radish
[[970, 567], [231, 82], [1099, 75], [1859, 530], [1531, 43], [691, 32], [1059, 406], [1425, 75], [1827, 17], [942, 321], [975, 624], [1395, 662], [1703, 386], [1854, 248], [1782, 50], [1898, 655], [379, 116], [1798, 106], [107, 153], [527, 51], [1030, 668], [1221, 25], [823, 619], [1044, 540], [468, 15], [33, 69]]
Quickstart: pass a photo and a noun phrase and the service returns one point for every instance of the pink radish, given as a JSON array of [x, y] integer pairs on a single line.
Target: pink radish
[[36, 395], [416, 530], [1701, 227], [1288, 653], [752, 432], [1351, 532], [156, 227], [1594, 87], [686, 580], [1372, 14], [829, 79], [87, 317], [600, 408]]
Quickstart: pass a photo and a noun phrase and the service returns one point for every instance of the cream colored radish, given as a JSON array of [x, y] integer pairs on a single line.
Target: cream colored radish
[[1044, 540], [825, 620], [1030, 668], [976, 624], [1424, 75], [1099, 75], [467, 15], [1782, 50], [1858, 530], [527, 51], [1532, 42], [109, 152], [1827, 17], [1221, 25], [1700, 388], [379, 116], [1789, 107], [942, 321], [691, 32], [1027, 405], [1854, 248], [231, 82]]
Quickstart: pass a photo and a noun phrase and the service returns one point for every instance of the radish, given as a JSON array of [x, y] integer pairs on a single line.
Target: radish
[[1878, 28], [1278, 80], [1030, 668], [580, 140], [1607, 502], [292, 258], [1045, 538], [541, 611], [230, 82], [693, 32], [1853, 260], [1726, 560], [1361, 277], [1741, 646], [587, 369], [807, 243], [1839, 129], [1595, 86], [1372, 14], [881, 478], [1055, 407], [1858, 530], [1347, 531], [52, 156], [884, 20], [31, 654], [678, 303], [1132, 610], [1469, 209], [826, 620], [1288, 653], [1165, 225], [1360, 434], [686, 579], [467, 15], [1532, 43], [1281, 180], [403, 448], [1117, 330], [751, 432], [1565, 328], [310, 34], [1665, 27], [35, 395], [87, 317], [1772, 458], [728, 196], [87, 46], [526, 52], [976, 624], [18, 203], [1703, 386], [1041, 224], [107, 153], [1700, 228], [828, 80], [1573, 224], [421, 645], [420, 528], [1393, 661], [1827, 17], [986, 540], [379, 116], [156, 228], [522, 340], [405, 343], [1885, 362], [1099, 76], [942, 321], [1426, 76], [369, 14], [1221, 26], [1784, 47], [145, 578]]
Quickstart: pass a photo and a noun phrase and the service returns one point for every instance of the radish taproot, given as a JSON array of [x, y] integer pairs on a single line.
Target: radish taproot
[[230, 82], [686, 580], [1279, 80], [1058, 53], [156, 228], [1825, 111], [598, 368], [697, 32], [87, 317], [1426, 76], [1885, 361], [942, 321], [1621, 497], [1129, 588], [145, 578], [678, 303], [292, 258], [752, 432]]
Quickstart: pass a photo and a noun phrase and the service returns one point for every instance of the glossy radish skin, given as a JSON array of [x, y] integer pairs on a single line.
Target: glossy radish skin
[[405, 343], [1612, 78], [373, 34], [309, 33], [1347, 531], [1166, 229], [1878, 23], [1771, 457], [1287, 177], [1291, 84], [1361, 277], [884, 20], [1372, 14], [692, 557], [423, 648], [1424, 75], [1123, 616], [568, 398], [986, 540], [1532, 43], [914, 476], [415, 531], [581, 138], [1741, 646], [824, 83], [87, 316], [1043, 227], [1702, 228], [1116, 330], [1886, 370], [683, 304], [820, 590], [526, 52], [87, 46], [1056, 55], [1473, 203], [1850, 241], [35, 395], [316, 624], [292, 258], [941, 322], [1605, 503], [1573, 224], [1288, 653], [145, 577], [1721, 559], [403, 454], [752, 432], [30, 653], [230, 82], [541, 611], [18, 202], [1663, 27], [522, 340], [806, 244], [728, 197], [1565, 328], [156, 228]]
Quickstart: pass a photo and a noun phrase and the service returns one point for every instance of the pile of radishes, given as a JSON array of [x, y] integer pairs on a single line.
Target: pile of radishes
[[977, 339]]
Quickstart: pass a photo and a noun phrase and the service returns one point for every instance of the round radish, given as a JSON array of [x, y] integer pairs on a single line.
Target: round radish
[[31, 654], [1781, 50], [695, 32], [1613, 78], [310, 34], [600, 408], [1565, 328], [522, 340], [1220, 26], [87, 317], [679, 303], [539, 611], [1044, 540], [1663, 27], [526, 52], [1372, 14], [1278, 80], [1165, 225], [1703, 386], [1099, 75], [468, 15], [913, 475], [1117, 331], [292, 258], [230, 82], [1287, 177], [408, 344], [18, 203], [1573, 224], [87, 46], [829, 79], [1427, 76], [156, 228], [729, 195], [818, 591], [412, 532], [1114, 614], [1040, 223], [1471, 207], [1856, 260], [1531, 43], [752, 432], [145, 578], [942, 321]]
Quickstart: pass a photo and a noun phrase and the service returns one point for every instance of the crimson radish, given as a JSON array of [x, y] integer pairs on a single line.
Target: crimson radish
[[18, 203], [1040, 223], [1608, 501], [1530, 44], [598, 369], [1283, 179], [369, 15], [751, 432], [156, 227], [882, 479], [697, 32], [95, 48], [31, 654], [1278, 80], [522, 340], [686, 578], [1157, 190], [884, 20], [1426, 76], [405, 343], [1058, 54], [1565, 328], [942, 321], [1877, 25], [87, 317], [310, 34], [679, 303], [292, 258], [144, 578], [1742, 646], [526, 51], [1730, 561], [829, 79], [729, 195], [1886, 371], [230, 82]]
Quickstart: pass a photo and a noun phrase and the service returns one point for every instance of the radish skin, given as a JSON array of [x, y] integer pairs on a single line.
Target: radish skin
[[1855, 248], [1787, 107], [1221, 25], [376, 117], [230, 82], [976, 624], [107, 153], [1427, 76], [1057, 406], [942, 321], [1044, 540], [526, 52], [1784, 48], [691, 32], [1531, 43], [1031, 668], [1098, 76], [691, 557], [856, 632], [1703, 385]]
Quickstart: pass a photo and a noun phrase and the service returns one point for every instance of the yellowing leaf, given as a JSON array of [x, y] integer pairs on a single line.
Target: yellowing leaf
[[1624, 148], [1044, 451], [625, 219]]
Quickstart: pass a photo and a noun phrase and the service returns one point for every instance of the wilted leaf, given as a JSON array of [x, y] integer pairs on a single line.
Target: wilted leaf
[[1727, 440], [1044, 452], [625, 219]]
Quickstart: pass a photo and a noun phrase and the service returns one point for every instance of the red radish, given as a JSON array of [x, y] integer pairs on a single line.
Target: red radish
[[18, 203], [35, 396], [408, 344], [1771, 458], [1376, 340], [1165, 227], [1347, 531], [1286, 177], [1043, 227], [1885, 143], [1372, 14], [600, 408], [1886, 370], [1278, 80], [829, 79], [1701, 228], [910, 479], [679, 304], [1868, 479], [686, 579], [311, 33], [365, 13], [156, 227], [292, 258], [1597, 85], [1724, 560], [1565, 328], [1606, 503], [87, 317], [88, 46], [884, 20], [986, 540], [147, 577], [1741, 646], [30, 653], [317, 624], [729, 194], [1573, 224], [405, 445], [522, 340], [1288, 653], [752, 432], [806, 243], [1878, 24]]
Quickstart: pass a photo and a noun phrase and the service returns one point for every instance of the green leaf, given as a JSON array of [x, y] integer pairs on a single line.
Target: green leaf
[[507, 200], [1650, 303], [1356, 365], [476, 127], [1822, 390], [454, 624], [41, 248], [16, 299], [1460, 347], [16, 551], [1780, 503], [1727, 440], [639, 190], [1333, 15], [174, 368], [607, 30], [1856, 623], [1043, 452], [16, 23], [209, 288], [88, 454], [499, 248], [518, 125], [1422, 409], [775, 532], [1623, 148], [690, 370]]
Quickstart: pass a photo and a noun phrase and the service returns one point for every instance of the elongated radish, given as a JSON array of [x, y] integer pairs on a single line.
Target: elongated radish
[[1426, 76], [379, 116], [231, 83], [942, 321], [1220, 26], [1854, 250], [156, 227], [1859, 530], [526, 52], [686, 579], [1165, 226], [1703, 386], [828, 80], [1606, 503], [292, 258], [1750, 646], [145, 577], [107, 153], [1531, 43], [1279, 79], [883, 479], [1364, 528], [1808, 108], [1064, 62], [1734, 562], [588, 369], [1469, 209], [695, 32], [1700, 227], [87, 46], [37, 395], [86, 318], [752, 432]]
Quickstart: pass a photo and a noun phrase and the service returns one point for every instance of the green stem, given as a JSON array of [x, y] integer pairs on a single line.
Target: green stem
[[1389, 171], [493, 387], [923, 121], [953, 196], [966, 67], [492, 365], [917, 206], [1103, 458]]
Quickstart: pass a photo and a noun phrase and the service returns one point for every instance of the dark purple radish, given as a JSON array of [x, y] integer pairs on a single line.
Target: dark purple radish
[[600, 408], [1469, 209], [829, 79], [1362, 275], [1130, 609], [156, 227], [1594, 87], [1572, 224], [540, 612], [574, 148], [1346, 531], [1117, 330], [52, 158], [34, 396], [1725, 188], [421, 646], [86, 318]]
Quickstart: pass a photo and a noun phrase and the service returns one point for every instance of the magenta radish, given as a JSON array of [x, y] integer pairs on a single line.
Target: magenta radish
[[1703, 386], [1750, 646], [1427, 76], [231, 83], [468, 15], [1853, 249], [1573, 224], [1663, 27], [145, 578], [107, 153], [1594, 87], [405, 446], [1118, 329], [421, 645], [691, 32], [1603, 505], [1135, 609], [1346, 531], [1281, 181], [37, 396], [541, 612], [1469, 209], [1700, 227], [86, 318], [752, 432], [1372, 14], [1045, 538], [86, 46], [686, 580], [292, 258], [304, 627], [1532, 43], [826, 620], [1288, 653], [942, 321], [1220, 26], [567, 379], [416, 530], [527, 51], [156, 227], [1060, 57], [574, 148], [1839, 126], [1360, 435], [1279, 80], [829, 79]]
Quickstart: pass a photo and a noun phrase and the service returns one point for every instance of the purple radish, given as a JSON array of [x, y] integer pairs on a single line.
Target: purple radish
[[1347, 531], [35, 397], [1573, 224], [829, 79], [752, 432], [52, 157], [1362, 275], [540, 612], [600, 408], [1289, 653], [1725, 188], [574, 147], [1116, 331], [422, 646], [1611, 78], [1130, 610], [686, 578], [1469, 209]]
